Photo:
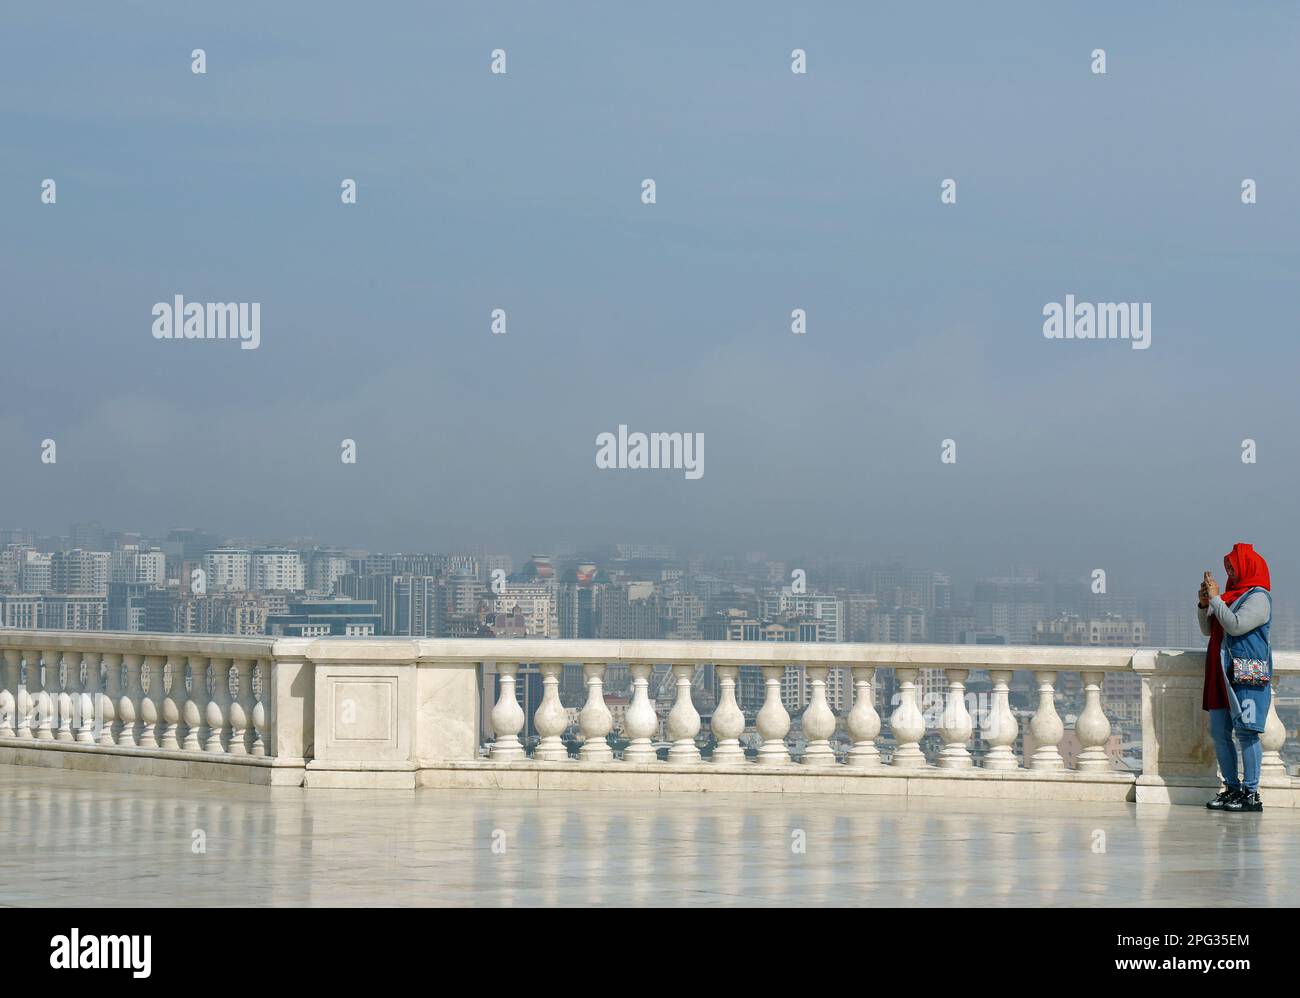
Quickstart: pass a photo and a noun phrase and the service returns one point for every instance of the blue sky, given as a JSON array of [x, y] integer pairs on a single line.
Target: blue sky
[[775, 191]]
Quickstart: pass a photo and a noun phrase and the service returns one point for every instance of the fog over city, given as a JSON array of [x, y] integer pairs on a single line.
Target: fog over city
[[773, 192]]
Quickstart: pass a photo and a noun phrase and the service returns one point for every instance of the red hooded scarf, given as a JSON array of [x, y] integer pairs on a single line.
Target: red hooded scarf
[[1249, 570]]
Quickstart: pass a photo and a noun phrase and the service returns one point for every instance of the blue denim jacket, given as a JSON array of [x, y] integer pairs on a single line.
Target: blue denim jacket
[[1249, 704]]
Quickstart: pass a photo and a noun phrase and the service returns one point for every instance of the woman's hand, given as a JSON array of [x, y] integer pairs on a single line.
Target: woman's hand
[[1211, 590]]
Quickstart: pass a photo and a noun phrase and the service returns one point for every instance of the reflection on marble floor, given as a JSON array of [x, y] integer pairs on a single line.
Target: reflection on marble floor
[[93, 839]]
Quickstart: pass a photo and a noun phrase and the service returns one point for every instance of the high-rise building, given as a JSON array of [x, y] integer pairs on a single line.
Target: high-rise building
[[80, 572], [228, 570], [276, 568]]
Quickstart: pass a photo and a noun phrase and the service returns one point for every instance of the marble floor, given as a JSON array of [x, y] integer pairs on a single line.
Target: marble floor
[[89, 839]]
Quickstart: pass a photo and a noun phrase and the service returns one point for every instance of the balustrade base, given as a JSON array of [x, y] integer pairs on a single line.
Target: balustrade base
[[166, 763]]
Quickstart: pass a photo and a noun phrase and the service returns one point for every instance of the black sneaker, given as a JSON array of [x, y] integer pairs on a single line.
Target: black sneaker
[[1223, 798], [1246, 800]]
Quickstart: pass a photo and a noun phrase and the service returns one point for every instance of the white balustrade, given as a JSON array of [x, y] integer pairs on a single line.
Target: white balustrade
[[863, 721], [240, 710], [507, 717], [47, 671], [9, 695], [595, 720], [68, 671], [550, 718], [907, 723], [818, 720], [640, 721], [108, 696], [1271, 742], [218, 709], [1092, 726], [1000, 729], [194, 710], [955, 726], [683, 720], [88, 696], [128, 735], [169, 711], [1046, 726], [773, 721], [728, 722], [151, 682]]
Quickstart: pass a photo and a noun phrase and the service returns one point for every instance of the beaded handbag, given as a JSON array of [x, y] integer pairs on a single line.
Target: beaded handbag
[[1249, 672]]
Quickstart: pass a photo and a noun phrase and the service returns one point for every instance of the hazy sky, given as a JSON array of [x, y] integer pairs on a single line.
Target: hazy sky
[[775, 191]]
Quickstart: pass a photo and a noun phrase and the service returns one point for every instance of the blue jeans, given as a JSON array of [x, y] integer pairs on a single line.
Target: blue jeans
[[1252, 753]]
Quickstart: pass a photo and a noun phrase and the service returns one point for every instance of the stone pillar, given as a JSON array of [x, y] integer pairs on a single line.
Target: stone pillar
[[151, 677], [773, 719], [1092, 727], [728, 720], [863, 721], [169, 711], [818, 721], [683, 720], [86, 699], [907, 723], [9, 695], [28, 674], [108, 695], [640, 721], [196, 704], [218, 709], [955, 727], [595, 721], [257, 716], [1000, 728], [1046, 726], [67, 670], [128, 736], [507, 717], [241, 697], [1271, 741], [550, 719]]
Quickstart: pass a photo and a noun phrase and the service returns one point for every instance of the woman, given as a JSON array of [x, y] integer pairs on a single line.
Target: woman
[[1238, 672]]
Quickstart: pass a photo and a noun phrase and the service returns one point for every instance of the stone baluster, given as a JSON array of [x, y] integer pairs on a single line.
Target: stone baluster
[[26, 702], [241, 698], [507, 717], [106, 709], [728, 719], [257, 688], [151, 683], [67, 668], [818, 721], [218, 709], [88, 697], [1000, 728], [1271, 742], [128, 735], [169, 711], [773, 721], [595, 720], [195, 710], [907, 723], [9, 719], [955, 726], [49, 676], [1092, 727], [683, 720], [1046, 726], [863, 721], [550, 719], [640, 721]]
